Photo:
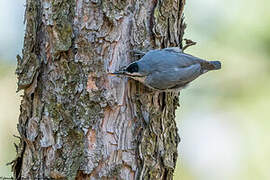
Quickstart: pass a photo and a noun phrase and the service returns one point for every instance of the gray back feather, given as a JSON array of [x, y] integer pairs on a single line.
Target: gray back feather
[[161, 60]]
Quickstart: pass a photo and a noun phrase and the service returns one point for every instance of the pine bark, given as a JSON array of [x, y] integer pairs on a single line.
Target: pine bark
[[75, 120]]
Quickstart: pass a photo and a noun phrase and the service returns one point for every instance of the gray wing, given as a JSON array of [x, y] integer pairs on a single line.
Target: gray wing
[[173, 77], [157, 60]]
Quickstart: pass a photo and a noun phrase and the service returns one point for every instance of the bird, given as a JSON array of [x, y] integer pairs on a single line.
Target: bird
[[168, 69]]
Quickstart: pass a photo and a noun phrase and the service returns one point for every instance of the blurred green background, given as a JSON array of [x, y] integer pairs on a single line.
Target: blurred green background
[[223, 121]]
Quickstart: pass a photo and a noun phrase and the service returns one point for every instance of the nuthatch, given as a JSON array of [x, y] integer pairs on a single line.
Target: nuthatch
[[167, 69]]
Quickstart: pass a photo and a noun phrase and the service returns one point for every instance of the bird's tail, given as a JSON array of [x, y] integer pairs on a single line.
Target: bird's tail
[[216, 64], [211, 65]]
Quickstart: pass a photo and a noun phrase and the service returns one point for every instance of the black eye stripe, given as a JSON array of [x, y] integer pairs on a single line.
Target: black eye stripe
[[132, 68]]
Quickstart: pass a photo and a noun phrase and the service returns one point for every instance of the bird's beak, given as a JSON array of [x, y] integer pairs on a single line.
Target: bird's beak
[[117, 73]]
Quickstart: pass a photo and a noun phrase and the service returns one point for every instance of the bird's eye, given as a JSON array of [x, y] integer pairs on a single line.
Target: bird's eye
[[133, 68]]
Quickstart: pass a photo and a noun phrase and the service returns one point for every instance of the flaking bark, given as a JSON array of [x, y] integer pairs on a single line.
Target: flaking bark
[[75, 120]]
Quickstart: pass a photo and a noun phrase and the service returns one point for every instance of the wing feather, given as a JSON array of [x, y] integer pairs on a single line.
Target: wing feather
[[172, 77]]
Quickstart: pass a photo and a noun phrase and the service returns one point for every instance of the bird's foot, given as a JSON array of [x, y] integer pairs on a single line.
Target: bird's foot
[[188, 43], [137, 52]]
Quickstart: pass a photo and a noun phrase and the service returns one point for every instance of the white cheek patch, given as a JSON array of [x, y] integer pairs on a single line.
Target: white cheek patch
[[140, 79], [136, 74]]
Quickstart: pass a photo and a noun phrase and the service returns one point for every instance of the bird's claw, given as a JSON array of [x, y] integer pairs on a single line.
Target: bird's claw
[[188, 43], [137, 52]]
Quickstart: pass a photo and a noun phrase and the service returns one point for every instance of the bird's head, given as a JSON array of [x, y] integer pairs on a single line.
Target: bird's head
[[132, 71]]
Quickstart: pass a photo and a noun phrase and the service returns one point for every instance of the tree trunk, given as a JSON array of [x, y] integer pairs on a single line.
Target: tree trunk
[[75, 120]]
